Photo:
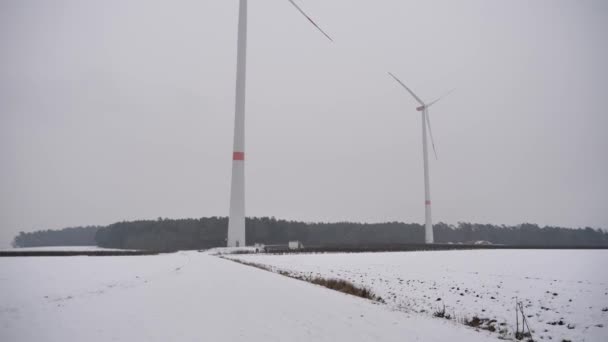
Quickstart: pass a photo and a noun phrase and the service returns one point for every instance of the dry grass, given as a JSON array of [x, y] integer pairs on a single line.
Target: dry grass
[[333, 284], [344, 286], [481, 323], [442, 314]]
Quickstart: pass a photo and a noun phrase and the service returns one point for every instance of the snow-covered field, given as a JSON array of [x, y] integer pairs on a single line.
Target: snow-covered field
[[564, 292], [191, 296]]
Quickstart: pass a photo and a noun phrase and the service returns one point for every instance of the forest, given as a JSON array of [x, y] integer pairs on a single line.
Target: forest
[[174, 234], [73, 236]]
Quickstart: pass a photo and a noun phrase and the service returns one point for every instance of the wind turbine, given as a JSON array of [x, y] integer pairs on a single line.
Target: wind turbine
[[236, 220], [426, 122]]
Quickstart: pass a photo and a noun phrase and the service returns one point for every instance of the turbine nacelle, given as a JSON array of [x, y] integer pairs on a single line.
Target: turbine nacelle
[[423, 108]]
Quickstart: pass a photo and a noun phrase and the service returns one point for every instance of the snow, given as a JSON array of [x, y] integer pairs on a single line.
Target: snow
[[191, 296], [570, 286], [231, 250]]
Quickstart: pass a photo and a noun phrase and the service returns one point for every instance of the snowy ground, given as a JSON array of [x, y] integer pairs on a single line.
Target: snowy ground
[[564, 292], [191, 296]]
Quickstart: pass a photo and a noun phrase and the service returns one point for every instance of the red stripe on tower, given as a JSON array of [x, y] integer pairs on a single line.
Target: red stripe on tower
[[238, 155], [427, 202]]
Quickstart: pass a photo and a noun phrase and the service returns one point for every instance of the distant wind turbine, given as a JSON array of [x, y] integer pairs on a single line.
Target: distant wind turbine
[[426, 122], [236, 220]]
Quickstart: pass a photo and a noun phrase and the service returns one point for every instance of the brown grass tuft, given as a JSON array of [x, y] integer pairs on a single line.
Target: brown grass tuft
[[333, 284]]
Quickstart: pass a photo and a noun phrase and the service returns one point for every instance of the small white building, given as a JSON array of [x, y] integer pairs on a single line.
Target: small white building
[[295, 245]]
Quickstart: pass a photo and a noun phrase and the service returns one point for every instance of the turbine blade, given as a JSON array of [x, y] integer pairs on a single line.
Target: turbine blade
[[408, 89], [311, 21], [428, 124], [439, 98]]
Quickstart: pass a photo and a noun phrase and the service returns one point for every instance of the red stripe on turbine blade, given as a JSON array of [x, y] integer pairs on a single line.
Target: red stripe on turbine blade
[[238, 155], [427, 202]]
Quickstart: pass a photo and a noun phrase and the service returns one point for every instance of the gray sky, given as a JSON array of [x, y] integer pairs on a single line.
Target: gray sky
[[121, 110]]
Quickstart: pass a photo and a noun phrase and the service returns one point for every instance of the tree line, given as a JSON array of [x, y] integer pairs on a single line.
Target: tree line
[[73, 236], [208, 232]]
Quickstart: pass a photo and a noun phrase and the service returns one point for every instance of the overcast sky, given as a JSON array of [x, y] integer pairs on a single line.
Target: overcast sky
[[121, 110]]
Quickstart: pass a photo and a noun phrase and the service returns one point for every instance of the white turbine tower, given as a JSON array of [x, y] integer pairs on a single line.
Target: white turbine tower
[[236, 220], [426, 122]]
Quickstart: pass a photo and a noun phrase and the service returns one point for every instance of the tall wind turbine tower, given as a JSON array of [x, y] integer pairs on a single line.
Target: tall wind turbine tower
[[236, 220], [426, 122]]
